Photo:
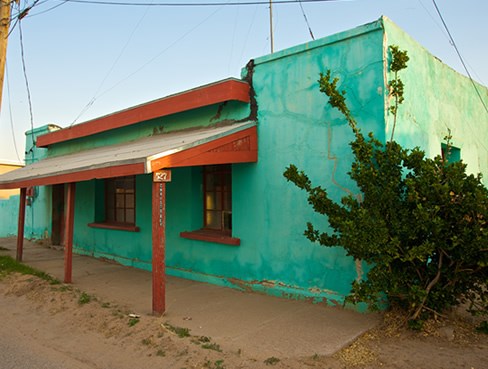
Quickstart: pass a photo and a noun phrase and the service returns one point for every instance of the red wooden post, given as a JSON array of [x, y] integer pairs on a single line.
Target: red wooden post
[[20, 225], [158, 248], [68, 235]]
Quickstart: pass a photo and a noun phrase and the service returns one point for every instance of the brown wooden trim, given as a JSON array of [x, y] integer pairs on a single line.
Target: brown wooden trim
[[84, 175], [211, 236], [68, 243], [219, 92], [20, 225], [209, 153], [115, 226]]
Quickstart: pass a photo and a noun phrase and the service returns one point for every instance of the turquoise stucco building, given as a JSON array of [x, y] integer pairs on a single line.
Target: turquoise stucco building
[[231, 218]]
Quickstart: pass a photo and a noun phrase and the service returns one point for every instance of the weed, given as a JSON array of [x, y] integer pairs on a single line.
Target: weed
[[9, 265], [133, 321], [483, 327], [106, 305], [179, 331], [218, 364], [3, 249], [161, 353], [147, 341], [271, 360], [211, 346], [84, 298], [65, 288]]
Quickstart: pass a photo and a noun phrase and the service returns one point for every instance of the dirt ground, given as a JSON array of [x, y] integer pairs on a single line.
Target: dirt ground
[[100, 334]]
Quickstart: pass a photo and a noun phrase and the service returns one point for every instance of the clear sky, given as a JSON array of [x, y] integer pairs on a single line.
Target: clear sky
[[120, 56]]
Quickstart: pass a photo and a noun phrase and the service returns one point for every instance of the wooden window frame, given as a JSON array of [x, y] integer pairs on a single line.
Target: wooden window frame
[[223, 172], [210, 234], [114, 224]]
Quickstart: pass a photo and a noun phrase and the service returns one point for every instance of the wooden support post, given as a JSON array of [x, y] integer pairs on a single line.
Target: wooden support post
[[158, 248], [68, 235], [20, 225], [5, 6]]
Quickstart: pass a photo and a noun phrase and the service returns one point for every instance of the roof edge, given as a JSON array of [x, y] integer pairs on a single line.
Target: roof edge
[[327, 40], [213, 93]]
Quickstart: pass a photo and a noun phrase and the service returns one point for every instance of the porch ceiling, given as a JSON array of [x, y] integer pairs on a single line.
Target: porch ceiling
[[235, 143]]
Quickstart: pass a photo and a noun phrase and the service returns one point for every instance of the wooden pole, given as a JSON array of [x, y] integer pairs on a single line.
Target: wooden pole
[[4, 29], [271, 25], [20, 226], [68, 235], [158, 248]]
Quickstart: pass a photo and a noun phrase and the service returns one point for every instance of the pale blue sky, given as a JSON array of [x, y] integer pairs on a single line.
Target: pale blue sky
[[127, 55]]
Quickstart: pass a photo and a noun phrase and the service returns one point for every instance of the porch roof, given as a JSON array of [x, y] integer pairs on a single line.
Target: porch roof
[[235, 143]]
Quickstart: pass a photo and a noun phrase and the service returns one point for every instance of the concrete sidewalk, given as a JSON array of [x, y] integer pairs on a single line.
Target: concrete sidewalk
[[267, 326]]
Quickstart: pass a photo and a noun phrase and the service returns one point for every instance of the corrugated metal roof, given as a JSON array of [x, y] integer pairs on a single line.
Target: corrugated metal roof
[[140, 151]]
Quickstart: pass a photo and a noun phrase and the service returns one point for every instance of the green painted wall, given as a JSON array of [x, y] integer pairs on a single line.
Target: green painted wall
[[437, 99], [9, 210], [38, 210]]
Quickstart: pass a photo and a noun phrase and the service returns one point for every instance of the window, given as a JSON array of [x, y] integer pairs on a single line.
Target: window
[[217, 198], [115, 204], [217, 207], [451, 154], [120, 199]]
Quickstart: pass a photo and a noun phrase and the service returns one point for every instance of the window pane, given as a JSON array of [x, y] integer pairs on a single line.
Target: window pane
[[119, 215], [227, 215], [212, 219], [120, 203], [129, 201], [210, 201], [130, 216]]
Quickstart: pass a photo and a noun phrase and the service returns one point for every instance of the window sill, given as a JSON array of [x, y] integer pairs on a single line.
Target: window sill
[[115, 226], [211, 236]]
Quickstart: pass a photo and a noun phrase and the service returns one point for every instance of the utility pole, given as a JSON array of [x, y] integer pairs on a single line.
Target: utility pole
[[4, 28], [271, 25]]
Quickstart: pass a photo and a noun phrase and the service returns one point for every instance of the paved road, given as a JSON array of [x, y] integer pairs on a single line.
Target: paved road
[[18, 351]]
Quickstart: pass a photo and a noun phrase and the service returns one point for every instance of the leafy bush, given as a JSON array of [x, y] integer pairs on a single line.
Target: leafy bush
[[420, 223]]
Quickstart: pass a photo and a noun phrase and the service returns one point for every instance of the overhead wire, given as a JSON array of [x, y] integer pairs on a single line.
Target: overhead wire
[[94, 97], [160, 53], [210, 3], [10, 112], [48, 10], [24, 69], [459, 55]]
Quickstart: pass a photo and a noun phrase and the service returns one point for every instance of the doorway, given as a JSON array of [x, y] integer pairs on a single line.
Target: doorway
[[58, 219]]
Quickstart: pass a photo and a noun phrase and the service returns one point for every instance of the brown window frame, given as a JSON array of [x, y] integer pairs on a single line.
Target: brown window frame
[[123, 187], [217, 199], [220, 234]]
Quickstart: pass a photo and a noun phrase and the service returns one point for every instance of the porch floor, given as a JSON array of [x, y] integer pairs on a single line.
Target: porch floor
[[270, 325]]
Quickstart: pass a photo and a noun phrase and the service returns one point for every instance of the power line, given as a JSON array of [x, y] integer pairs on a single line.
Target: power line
[[155, 57], [211, 3], [459, 55], [48, 10], [94, 97], [10, 113], [26, 81]]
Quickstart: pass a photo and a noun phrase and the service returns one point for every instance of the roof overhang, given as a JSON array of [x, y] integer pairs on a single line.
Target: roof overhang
[[227, 90], [228, 144]]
